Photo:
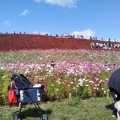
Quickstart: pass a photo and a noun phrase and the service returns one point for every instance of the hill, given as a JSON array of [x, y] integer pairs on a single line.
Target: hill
[[31, 41]]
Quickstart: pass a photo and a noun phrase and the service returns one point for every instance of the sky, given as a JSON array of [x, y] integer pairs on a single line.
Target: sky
[[95, 18]]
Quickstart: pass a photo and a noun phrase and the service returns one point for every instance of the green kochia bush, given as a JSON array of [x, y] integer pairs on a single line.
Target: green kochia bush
[[4, 82]]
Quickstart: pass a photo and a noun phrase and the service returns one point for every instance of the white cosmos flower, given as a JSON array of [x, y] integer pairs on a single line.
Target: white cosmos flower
[[71, 82], [86, 85], [57, 89], [52, 85]]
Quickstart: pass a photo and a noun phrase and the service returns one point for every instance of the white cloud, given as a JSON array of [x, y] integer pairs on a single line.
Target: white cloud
[[44, 33], [7, 23], [38, 1], [41, 33], [35, 32], [86, 33], [63, 3], [25, 12]]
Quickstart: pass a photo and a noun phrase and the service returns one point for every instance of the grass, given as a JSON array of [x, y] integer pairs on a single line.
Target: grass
[[69, 109]]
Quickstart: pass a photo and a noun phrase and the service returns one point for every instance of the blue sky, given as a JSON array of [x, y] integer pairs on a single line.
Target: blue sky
[[98, 18]]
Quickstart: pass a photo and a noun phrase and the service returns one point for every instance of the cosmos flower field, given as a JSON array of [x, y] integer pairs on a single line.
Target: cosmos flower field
[[76, 72]]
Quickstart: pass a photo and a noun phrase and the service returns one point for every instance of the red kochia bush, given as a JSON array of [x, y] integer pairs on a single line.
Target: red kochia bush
[[30, 41]]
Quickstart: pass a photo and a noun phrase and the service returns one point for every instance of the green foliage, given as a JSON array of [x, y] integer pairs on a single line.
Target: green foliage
[[5, 81], [63, 81]]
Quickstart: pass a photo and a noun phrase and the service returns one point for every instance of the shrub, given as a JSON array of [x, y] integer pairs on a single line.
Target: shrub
[[5, 81]]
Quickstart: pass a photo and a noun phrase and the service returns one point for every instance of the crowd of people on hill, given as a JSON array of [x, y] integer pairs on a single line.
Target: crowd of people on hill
[[64, 35], [105, 45]]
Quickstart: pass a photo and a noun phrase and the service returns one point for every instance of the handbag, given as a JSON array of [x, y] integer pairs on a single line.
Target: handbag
[[12, 98]]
